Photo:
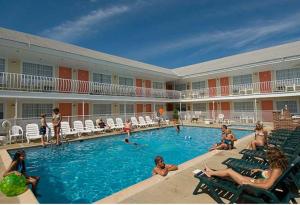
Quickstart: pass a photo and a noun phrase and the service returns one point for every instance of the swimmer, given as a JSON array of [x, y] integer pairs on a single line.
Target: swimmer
[[127, 142], [177, 128]]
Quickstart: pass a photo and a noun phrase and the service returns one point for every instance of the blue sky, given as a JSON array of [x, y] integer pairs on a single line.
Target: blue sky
[[168, 33]]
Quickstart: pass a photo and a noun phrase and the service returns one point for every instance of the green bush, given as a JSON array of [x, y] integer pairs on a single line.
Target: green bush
[[175, 114]]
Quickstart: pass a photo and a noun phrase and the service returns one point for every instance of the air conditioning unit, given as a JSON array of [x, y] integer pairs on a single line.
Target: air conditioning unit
[[289, 88], [249, 91], [242, 92]]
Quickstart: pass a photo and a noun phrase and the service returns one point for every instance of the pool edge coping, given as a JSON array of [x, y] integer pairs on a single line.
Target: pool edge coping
[[130, 191]]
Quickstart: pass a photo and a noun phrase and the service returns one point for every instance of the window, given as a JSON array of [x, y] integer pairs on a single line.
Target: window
[[125, 81], [291, 105], [101, 78], [242, 79], [129, 108], [2, 65], [199, 107], [180, 87], [37, 69], [288, 74], [243, 106], [198, 85], [35, 110], [157, 85], [1, 111], [102, 109]]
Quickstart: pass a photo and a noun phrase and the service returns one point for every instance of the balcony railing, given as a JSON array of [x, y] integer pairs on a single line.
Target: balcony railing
[[278, 86], [22, 82]]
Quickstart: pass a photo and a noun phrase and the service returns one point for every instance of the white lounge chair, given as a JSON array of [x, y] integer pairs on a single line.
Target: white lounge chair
[[66, 130], [120, 124], [78, 126], [50, 130], [150, 122], [90, 126], [15, 132], [142, 122], [111, 124], [134, 122], [32, 132], [220, 118]]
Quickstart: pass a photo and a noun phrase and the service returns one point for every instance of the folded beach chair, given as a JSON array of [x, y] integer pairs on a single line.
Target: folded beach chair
[[66, 130], [90, 126], [150, 122], [220, 188], [134, 122], [32, 132], [142, 122], [15, 132], [78, 126], [120, 124]]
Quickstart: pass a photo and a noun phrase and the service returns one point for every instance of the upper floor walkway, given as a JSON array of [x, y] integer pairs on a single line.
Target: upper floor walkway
[[41, 84]]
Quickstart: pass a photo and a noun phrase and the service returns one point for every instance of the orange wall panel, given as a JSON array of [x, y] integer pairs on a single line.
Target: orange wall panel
[[138, 84], [224, 86], [265, 78], [80, 109], [64, 73], [83, 76], [212, 84], [139, 108], [267, 108], [148, 108], [225, 108], [65, 109]]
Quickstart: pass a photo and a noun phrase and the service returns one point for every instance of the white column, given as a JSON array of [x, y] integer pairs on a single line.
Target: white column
[[16, 109], [213, 111], [255, 109], [125, 112], [83, 111]]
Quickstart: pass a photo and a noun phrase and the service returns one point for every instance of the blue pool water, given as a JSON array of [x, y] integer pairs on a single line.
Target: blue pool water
[[84, 172]]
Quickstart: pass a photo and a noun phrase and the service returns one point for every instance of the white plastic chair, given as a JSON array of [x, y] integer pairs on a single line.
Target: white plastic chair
[[221, 118], [142, 122], [120, 124], [134, 122], [32, 132], [66, 130], [78, 126], [111, 124], [90, 126], [15, 132], [150, 122]]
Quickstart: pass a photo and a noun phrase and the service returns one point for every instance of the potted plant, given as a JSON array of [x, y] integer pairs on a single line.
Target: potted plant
[[175, 116]]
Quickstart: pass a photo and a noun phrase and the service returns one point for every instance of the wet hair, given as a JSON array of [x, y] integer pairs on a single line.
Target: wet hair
[[17, 156], [259, 125], [157, 159], [127, 140], [277, 158], [55, 109], [43, 115], [224, 126]]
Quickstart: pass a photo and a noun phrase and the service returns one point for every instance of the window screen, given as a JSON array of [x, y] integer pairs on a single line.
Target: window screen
[[243, 106], [2, 65], [101, 78], [35, 110], [157, 85], [129, 108], [291, 105], [1, 111], [125, 81], [37, 69], [288, 74], [102, 109], [242, 79], [199, 107], [198, 85], [180, 87]]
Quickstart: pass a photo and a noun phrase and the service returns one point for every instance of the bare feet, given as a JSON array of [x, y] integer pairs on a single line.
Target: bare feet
[[207, 171]]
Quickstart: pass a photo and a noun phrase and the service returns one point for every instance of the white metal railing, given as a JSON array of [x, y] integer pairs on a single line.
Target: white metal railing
[[22, 82], [277, 86]]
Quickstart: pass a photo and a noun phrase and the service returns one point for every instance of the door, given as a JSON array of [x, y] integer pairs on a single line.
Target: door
[[170, 106], [138, 85], [65, 75], [83, 77], [65, 109], [139, 108], [267, 110], [213, 108], [80, 109], [224, 86], [148, 108], [225, 108], [148, 87], [265, 81], [212, 84]]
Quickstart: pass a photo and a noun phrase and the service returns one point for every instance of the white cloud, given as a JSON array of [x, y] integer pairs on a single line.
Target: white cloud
[[72, 30], [235, 38]]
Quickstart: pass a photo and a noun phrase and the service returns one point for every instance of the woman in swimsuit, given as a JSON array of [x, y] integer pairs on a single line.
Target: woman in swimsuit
[[278, 164], [260, 137], [17, 167], [56, 119], [127, 127]]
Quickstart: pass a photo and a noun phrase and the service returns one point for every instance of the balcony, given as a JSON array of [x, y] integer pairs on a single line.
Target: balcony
[[30, 83], [259, 88]]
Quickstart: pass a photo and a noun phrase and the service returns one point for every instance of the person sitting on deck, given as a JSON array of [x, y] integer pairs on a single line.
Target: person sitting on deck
[[260, 136], [17, 167], [226, 144], [161, 168], [101, 124], [278, 163]]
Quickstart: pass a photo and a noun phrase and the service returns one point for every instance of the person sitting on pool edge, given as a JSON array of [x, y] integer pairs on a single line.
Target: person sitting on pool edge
[[18, 167], [226, 144], [161, 168], [260, 136]]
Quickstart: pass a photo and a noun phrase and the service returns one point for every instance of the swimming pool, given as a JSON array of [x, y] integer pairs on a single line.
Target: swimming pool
[[84, 172]]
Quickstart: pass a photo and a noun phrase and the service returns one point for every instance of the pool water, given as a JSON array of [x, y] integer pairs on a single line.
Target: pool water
[[84, 172]]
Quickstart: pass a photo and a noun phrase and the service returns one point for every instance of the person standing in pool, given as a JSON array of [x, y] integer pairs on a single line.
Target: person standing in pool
[[127, 127], [177, 128], [56, 120], [18, 167], [161, 168]]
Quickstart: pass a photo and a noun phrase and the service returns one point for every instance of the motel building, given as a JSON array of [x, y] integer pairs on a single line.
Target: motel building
[[37, 74]]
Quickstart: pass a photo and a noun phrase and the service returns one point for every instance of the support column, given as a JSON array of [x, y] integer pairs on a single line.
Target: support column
[[125, 112], [16, 109], [255, 109], [83, 111], [213, 110]]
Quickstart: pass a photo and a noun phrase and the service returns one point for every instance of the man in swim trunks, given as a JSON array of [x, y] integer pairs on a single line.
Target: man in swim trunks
[[161, 168], [127, 127]]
